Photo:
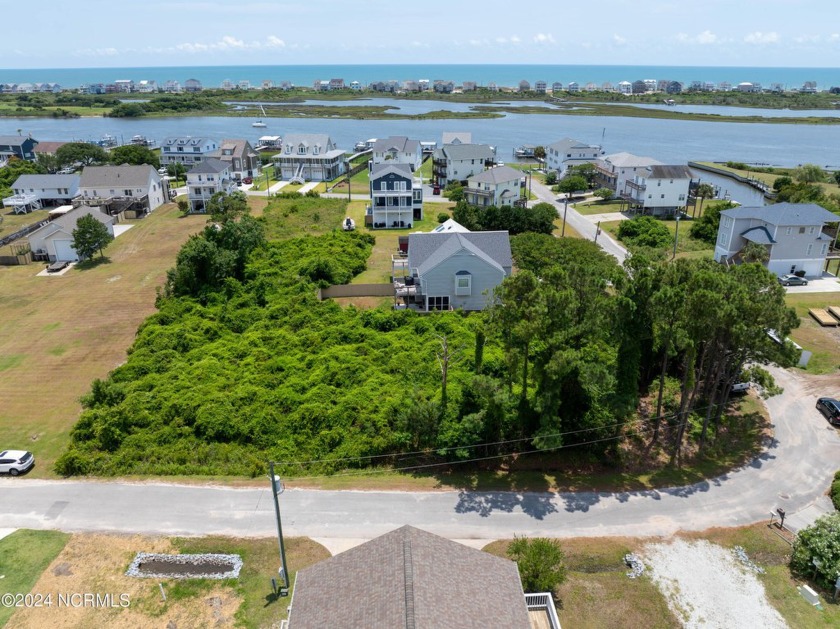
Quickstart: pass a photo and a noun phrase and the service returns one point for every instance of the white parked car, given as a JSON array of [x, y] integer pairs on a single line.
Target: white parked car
[[15, 461]]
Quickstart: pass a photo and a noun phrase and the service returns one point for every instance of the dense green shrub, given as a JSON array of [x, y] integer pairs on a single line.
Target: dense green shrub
[[541, 563], [820, 541], [645, 231], [835, 491]]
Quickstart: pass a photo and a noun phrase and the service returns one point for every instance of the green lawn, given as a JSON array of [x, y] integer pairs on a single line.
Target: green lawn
[[24, 555], [824, 343], [685, 244], [600, 207]]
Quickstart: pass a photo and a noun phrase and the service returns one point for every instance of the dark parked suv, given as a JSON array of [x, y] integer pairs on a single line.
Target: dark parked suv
[[829, 407]]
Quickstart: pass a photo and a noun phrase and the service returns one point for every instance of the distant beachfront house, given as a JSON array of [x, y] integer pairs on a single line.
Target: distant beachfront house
[[186, 150], [206, 179], [524, 86], [20, 146], [146, 87], [192, 85], [614, 170], [499, 186], [443, 87], [625, 87], [565, 153], [310, 157], [573, 87], [172, 87], [790, 232], [397, 149], [557, 86], [459, 162], [124, 85], [396, 198], [659, 189], [540, 87]]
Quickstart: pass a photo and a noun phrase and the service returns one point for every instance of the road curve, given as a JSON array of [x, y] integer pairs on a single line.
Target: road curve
[[793, 473]]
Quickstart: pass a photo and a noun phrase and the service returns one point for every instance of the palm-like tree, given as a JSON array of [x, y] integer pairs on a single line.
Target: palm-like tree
[[703, 191]]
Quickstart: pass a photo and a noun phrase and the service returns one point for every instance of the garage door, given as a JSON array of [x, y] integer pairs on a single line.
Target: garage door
[[64, 250]]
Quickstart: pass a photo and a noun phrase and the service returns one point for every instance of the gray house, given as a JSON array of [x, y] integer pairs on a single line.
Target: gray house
[[32, 192], [397, 149], [446, 271], [791, 233], [459, 162], [411, 578], [54, 240], [396, 199]]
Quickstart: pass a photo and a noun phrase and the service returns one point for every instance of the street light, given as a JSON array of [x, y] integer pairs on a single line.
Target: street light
[[676, 235], [277, 489]]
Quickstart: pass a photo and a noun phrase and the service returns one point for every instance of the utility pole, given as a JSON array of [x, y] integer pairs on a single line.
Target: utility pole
[[566, 209], [277, 489], [676, 235]]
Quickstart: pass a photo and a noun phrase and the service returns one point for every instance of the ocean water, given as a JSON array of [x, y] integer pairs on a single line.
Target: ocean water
[[483, 75]]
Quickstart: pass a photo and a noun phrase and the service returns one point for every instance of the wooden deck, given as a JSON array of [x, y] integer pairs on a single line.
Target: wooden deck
[[834, 311], [539, 619]]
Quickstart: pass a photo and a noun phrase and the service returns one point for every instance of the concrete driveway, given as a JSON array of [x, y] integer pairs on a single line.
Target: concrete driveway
[[826, 284]]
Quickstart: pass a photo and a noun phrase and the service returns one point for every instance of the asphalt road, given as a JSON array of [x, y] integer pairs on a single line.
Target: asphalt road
[[793, 473]]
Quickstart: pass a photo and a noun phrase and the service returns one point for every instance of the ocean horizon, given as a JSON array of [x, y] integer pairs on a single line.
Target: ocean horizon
[[502, 75]]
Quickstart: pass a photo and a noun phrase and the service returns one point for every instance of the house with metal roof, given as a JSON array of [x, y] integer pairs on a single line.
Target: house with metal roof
[[791, 233], [451, 270], [186, 150], [659, 189], [396, 198], [565, 153], [411, 578], [206, 179], [126, 187], [500, 186], [397, 149], [54, 239], [459, 162], [309, 157]]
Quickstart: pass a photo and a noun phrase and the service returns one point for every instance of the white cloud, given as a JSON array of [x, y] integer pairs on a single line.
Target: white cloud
[[514, 39], [762, 38], [544, 38], [704, 38], [97, 52], [834, 37], [226, 43], [619, 40]]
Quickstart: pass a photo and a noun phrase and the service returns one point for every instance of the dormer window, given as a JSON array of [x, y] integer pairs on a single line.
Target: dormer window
[[301, 149]]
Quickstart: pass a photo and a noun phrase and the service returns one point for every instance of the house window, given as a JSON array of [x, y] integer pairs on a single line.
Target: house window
[[682, 197], [439, 303], [801, 230], [301, 150], [463, 283], [811, 230], [809, 249], [823, 250], [788, 231]]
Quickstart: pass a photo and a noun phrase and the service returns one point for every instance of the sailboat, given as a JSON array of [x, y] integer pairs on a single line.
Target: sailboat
[[259, 123]]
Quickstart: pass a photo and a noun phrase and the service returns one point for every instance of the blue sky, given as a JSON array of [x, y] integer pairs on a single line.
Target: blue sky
[[117, 33]]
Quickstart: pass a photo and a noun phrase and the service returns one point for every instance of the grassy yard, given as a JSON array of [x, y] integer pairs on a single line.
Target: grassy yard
[[24, 555], [599, 207], [769, 178], [57, 334], [97, 563], [823, 342], [685, 244], [12, 222]]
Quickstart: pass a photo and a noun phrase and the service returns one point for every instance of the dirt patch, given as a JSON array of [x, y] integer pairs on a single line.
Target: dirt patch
[[96, 565]]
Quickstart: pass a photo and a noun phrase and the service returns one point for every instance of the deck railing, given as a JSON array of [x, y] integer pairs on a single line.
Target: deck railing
[[543, 600]]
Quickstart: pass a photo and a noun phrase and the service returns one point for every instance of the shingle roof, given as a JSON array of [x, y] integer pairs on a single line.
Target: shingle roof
[[566, 144], [426, 251], [785, 214], [399, 143], [46, 181], [48, 147], [379, 170], [456, 137], [669, 172], [307, 139], [410, 578], [125, 175], [466, 151], [450, 225], [628, 160], [209, 166], [758, 235], [498, 174], [13, 140], [67, 222]]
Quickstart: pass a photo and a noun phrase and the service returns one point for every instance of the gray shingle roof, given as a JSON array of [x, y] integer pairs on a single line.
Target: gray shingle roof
[[459, 152], [399, 143], [378, 170], [410, 578], [125, 175], [785, 214], [209, 166], [628, 160], [567, 144], [46, 181], [13, 140], [758, 235], [658, 171], [426, 251], [67, 222], [498, 174]]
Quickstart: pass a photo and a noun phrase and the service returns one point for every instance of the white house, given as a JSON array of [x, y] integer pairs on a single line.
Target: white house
[[309, 156], [499, 186], [459, 162], [659, 190], [32, 192], [141, 185], [206, 179], [186, 150], [562, 155], [397, 149], [791, 233], [54, 240], [451, 270], [396, 199], [614, 170]]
